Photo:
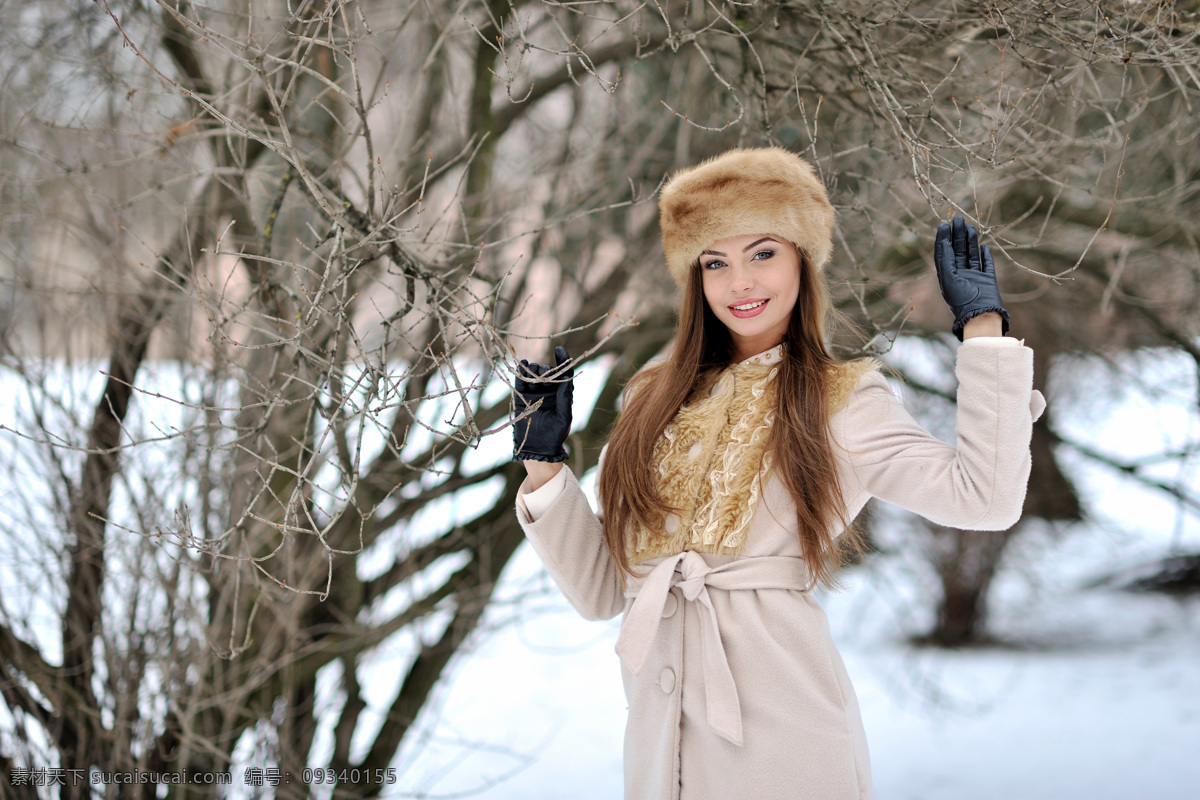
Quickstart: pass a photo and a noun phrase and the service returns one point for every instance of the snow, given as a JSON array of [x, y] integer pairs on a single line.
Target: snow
[[1097, 696]]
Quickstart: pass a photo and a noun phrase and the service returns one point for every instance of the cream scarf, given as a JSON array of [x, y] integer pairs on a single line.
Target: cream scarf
[[715, 456]]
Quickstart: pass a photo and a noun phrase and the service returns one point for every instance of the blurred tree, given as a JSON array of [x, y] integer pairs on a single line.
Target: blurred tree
[[334, 222]]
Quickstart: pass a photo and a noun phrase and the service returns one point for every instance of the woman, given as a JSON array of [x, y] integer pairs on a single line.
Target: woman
[[732, 470]]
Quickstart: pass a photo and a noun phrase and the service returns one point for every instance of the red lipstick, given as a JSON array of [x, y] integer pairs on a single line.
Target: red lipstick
[[749, 312]]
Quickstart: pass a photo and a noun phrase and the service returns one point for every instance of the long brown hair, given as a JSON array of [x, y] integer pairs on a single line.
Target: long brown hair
[[804, 458]]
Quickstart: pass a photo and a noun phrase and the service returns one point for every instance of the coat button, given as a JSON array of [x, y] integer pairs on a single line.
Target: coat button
[[667, 681], [669, 606]]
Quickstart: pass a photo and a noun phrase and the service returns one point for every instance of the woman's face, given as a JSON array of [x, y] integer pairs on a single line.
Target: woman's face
[[751, 284]]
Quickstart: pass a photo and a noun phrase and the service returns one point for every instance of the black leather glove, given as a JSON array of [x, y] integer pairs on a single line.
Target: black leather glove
[[540, 436], [966, 274]]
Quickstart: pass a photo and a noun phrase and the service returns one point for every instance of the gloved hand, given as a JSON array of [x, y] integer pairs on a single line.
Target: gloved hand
[[540, 435], [966, 274]]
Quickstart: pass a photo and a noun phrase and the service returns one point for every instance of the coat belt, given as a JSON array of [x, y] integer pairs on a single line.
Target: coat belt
[[694, 576]]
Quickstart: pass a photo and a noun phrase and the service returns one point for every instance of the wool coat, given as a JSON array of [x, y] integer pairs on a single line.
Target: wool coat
[[734, 685]]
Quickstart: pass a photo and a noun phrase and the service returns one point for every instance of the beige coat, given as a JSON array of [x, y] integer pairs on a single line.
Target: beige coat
[[734, 685]]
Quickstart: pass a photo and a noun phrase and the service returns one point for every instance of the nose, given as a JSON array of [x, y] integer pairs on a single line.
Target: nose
[[741, 280]]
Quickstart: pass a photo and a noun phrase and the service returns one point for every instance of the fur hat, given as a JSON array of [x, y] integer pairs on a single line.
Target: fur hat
[[763, 190]]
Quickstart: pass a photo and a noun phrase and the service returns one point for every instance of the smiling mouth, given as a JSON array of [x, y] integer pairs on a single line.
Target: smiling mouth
[[750, 309]]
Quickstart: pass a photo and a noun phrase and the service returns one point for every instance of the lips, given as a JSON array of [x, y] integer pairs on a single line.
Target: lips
[[748, 308]]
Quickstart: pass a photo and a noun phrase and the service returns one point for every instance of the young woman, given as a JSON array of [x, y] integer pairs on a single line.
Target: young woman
[[734, 467]]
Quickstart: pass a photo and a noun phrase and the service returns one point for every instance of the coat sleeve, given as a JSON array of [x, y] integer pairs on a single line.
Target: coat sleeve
[[977, 484], [569, 539]]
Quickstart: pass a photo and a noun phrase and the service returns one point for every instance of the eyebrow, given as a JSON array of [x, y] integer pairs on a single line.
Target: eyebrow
[[744, 249]]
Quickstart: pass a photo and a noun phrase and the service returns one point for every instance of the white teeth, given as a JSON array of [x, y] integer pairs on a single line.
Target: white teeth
[[749, 306]]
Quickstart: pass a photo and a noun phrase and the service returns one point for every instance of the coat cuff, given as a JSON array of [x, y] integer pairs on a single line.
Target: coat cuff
[[1037, 402], [536, 503], [993, 341]]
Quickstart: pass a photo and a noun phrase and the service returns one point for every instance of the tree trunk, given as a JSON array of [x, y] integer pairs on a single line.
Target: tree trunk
[[966, 562]]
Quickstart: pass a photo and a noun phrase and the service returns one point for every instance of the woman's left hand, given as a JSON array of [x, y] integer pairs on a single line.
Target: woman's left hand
[[966, 274]]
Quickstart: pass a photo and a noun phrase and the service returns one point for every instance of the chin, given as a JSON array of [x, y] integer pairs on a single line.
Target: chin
[[751, 331]]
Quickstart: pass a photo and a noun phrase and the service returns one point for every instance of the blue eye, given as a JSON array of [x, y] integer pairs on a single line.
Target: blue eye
[[714, 264], [763, 255]]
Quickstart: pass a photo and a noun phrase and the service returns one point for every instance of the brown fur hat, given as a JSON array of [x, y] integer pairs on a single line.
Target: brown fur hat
[[765, 190]]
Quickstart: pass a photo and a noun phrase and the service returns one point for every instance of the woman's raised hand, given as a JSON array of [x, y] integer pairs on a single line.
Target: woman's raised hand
[[540, 435], [966, 274]]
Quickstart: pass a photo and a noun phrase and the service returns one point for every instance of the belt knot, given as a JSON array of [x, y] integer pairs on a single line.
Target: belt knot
[[694, 577], [694, 571]]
